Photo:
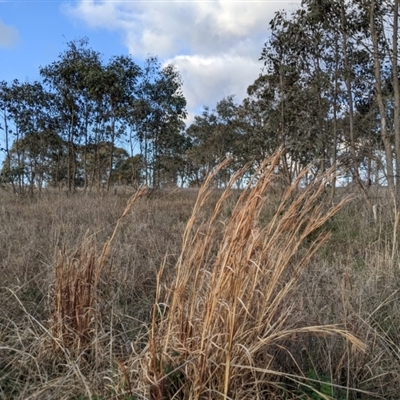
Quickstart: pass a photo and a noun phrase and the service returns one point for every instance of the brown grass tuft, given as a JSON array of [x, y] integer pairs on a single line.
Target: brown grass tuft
[[75, 291], [218, 328]]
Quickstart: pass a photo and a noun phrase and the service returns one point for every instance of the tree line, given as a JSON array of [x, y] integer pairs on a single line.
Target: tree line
[[328, 94], [79, 126]]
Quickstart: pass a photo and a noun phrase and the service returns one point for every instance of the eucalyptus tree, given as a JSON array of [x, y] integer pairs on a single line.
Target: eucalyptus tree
[[385, 58], [367, 33], [116, 95], [319, 71], [38, 158], [348, 65], [295, 89], [255, 116], [97, 159], [396, 86], [129, 170], [72, 78], [214, 135], [170, 113], [85, 104], [201, 157], [159, 114], [5, 104], [374, 74], [29, 107], [376, 28]]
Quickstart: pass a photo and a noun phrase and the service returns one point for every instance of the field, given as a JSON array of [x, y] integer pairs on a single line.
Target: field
[[266, 293]]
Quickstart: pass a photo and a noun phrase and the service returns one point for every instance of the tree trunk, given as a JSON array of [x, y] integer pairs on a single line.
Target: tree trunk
[[378, 87], [356, 172], [111, 159], [396, 90], [335, 134], [85, 172], [7, 149]]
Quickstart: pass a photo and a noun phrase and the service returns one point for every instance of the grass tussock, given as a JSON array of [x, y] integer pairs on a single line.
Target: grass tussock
[[230, 307], [75, 290]]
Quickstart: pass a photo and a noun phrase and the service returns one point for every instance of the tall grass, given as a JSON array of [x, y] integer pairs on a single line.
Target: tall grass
[[75, 290], [57, 352], [218, 326], [266, 293]]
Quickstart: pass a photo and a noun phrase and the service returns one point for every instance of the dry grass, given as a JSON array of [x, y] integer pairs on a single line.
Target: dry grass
[[229, 307], [67, 317], [75, 291], [199, 294]]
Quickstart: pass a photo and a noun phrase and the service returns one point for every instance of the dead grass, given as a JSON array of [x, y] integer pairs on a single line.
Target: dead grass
[[75, 291], [229, 308], [69, 313], [199, 294]]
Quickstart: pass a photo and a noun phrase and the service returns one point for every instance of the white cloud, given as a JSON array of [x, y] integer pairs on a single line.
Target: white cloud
[[214, 44], [168, 27], [8, 35], [209, 79]]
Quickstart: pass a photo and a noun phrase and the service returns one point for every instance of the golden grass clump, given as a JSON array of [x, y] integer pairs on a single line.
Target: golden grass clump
[[218, 326], [75, 291], [74, 297]]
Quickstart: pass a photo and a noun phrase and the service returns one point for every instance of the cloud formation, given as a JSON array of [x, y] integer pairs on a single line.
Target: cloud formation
[[214, 44], [9, 36], [209, 79]]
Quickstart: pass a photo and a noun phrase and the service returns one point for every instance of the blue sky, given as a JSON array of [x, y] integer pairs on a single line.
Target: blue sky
[[38, 32], [214, 44]]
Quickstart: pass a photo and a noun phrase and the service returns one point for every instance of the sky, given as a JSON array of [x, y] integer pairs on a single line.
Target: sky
[[215, 44]]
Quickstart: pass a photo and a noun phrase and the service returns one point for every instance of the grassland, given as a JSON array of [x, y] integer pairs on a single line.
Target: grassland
[[267, 293]]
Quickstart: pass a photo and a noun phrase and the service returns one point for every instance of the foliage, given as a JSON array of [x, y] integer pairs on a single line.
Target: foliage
[[89, 104], [323, 96]]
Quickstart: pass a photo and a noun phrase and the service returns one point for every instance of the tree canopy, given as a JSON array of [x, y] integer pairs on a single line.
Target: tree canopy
[[328, 94]]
